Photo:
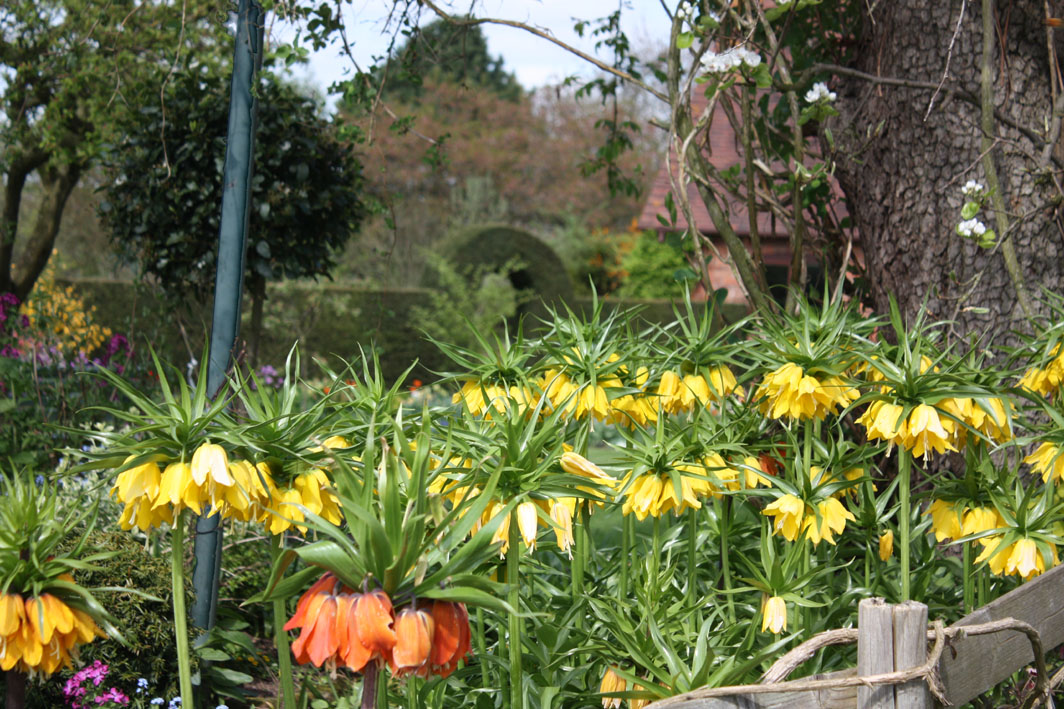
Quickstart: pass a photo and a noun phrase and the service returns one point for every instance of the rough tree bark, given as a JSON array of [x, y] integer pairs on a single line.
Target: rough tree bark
[[19, 269], [904, 173]]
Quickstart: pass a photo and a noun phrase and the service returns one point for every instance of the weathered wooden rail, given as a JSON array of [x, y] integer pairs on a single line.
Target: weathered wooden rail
[[894, 669]]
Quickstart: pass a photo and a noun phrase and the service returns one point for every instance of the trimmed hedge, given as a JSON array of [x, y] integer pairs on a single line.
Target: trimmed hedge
[[326, 318]]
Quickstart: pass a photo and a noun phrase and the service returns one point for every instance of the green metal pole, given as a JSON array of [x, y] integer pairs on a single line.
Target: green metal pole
[[236, 205]]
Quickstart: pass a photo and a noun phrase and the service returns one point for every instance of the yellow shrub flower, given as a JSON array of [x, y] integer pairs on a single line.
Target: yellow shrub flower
[[773, 614]]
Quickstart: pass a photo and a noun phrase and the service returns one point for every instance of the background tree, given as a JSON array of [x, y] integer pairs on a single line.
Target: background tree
[[69, 70], [440, 51], [162, 205]]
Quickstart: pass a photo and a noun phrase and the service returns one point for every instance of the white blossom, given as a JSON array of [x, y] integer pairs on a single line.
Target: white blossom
[[686, 11], [729, 59], [819, 92], [972, 189], [971, 227]]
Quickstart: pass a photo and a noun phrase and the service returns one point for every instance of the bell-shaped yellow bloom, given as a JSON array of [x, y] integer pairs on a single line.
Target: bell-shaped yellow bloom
[[211, 463], [831, 520], [1048, 460], [669, 392], [643, 496], [788, 513], [178, 489], [886, 545], [1025, 560], [946, 520], [611, 683], [788, 392], [1047, 380], [752, 474], [561, 515], [38, 635], [927, 431], [995, 553], [980, 519], [139, 481], [528, 523], [773, 614], [883, 420]]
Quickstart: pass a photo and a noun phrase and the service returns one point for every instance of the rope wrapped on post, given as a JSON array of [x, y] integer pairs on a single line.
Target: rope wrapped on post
[[774, 680]]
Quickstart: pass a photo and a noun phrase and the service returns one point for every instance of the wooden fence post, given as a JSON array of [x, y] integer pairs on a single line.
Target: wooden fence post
[[875, 651], [910, 650]]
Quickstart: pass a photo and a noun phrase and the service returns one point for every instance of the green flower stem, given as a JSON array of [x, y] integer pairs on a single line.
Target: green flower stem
[[969, 588], [580, 541], [482, 649], [807, 449], [177, 578], [904, 475], [655, 559], [280, 635], [692, 542], [626, 553], [724, 522], [411, 692], [513, 580]]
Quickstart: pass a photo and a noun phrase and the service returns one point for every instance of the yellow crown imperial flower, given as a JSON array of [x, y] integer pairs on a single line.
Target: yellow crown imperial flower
[[612, 682], [886, 545], [927, 431], [210, 463], [1048, 460], [561, 514], [946, 520], [831, 520], [38, 635], [980, 519], [788, 513], [773, 614], [790, 392], [528, 523]]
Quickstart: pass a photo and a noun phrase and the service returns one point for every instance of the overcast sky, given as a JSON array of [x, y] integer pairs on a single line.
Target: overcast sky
[[535, 61]]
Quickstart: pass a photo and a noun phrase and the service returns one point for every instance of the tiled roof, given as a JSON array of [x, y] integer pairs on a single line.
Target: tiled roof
[[724, 152]]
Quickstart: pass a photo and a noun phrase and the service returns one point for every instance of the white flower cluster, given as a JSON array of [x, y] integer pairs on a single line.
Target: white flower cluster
[[971, 227], [819, 92], [973, 189], [729, 59], [686, 11]]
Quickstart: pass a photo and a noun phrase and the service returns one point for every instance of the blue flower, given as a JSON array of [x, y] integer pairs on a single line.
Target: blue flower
[[158, 700], [221, 706], [142, 684]]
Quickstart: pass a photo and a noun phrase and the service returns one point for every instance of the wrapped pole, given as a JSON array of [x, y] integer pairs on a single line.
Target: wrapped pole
[[229, 281]]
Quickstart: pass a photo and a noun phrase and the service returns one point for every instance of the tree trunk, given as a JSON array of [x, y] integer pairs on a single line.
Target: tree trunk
[[18, 170], [903, 174], [57, 182]]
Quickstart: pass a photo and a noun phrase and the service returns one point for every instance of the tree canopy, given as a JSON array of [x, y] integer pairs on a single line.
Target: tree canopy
[[69, 72], [441, 51], [162, 204]]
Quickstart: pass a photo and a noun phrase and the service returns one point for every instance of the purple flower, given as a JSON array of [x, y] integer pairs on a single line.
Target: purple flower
[[112, 695]]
